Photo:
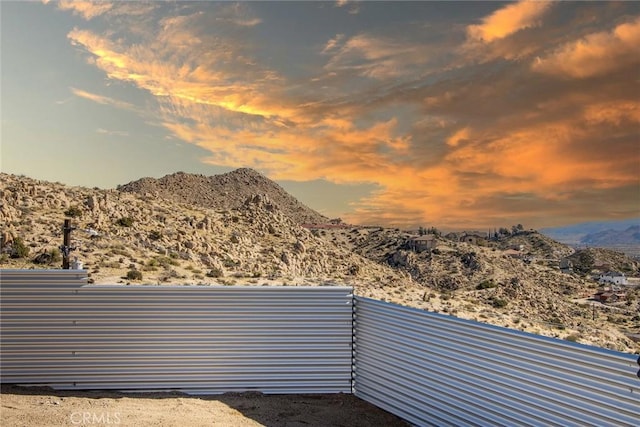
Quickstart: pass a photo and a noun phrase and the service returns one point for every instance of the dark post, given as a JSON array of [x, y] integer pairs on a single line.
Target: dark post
[[65, 248]]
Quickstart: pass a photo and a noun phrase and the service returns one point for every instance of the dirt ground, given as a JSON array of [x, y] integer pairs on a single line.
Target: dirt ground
[[42, 406]]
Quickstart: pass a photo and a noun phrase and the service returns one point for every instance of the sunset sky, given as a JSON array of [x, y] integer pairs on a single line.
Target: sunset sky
[[447, 114]]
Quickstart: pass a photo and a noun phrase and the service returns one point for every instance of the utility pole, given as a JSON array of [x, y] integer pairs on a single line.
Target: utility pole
[[65, 248]]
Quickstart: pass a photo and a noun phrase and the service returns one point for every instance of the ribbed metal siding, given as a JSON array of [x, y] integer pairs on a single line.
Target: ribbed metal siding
[[433, 369], [198, 339]]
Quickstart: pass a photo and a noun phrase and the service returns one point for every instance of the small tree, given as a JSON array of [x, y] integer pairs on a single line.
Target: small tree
[[134, 275], [73, 212]]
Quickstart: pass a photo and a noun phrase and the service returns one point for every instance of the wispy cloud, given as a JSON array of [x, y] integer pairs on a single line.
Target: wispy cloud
[[120, 133], [87, 9], [100, 99], [93, 9], [237, 14], [373, 56]]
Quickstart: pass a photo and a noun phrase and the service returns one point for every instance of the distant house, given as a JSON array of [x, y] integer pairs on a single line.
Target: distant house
[[422, 243], [613, 277], [609, 296], [472, 237]]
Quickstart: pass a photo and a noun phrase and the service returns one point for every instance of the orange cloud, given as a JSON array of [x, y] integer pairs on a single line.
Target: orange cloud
[[596, 54], [87, 9], [509, 20], [458, 151], [458, 137]]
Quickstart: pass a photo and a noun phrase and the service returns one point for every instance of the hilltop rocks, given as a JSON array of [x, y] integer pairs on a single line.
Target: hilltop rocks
[[233, 190]]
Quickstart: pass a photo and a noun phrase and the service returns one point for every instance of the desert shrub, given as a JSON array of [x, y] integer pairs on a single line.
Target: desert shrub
[[56, 255], [572, 337], [230, 263], [20, 250], [557, 323], [163, 261], [125, 221], [215, 272], [486, 284], [134, 275], [49, 257], [499, 302], [155, 235], [354, 269], [73, 212]]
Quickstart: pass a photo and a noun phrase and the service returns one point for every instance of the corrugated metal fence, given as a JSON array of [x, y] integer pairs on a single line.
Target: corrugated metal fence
[[199, 339], [427, 368], [432, 369]]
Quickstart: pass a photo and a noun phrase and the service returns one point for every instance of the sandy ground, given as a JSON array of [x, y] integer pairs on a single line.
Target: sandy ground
[[41, 406]]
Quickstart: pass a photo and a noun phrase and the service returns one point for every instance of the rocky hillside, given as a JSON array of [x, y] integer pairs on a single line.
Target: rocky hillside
[[490, 281], [223, 192], [589, 259], [150, 236], [171, 242]]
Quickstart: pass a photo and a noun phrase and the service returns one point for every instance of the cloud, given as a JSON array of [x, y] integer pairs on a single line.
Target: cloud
[[353, 6], [333, 43], [595, 54], [509, 20], [100, 99], [454, 144], [373, 56], [237, 14], [120, 133], [87, 9], [93, 9]]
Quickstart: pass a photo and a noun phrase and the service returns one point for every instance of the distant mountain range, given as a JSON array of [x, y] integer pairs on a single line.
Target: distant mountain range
[[614, 234]]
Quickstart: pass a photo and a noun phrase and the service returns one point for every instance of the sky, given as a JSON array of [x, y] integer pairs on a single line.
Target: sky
[[457, 115]]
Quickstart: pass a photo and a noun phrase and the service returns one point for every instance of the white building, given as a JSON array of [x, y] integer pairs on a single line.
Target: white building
[[613, 277]]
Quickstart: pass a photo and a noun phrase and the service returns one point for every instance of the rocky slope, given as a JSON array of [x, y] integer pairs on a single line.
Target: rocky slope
[[170, 242], [150, 236], [223, 192], [492, 282]]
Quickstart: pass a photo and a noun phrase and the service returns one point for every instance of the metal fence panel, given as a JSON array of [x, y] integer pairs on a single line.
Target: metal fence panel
[[433, 369], [200, 339]]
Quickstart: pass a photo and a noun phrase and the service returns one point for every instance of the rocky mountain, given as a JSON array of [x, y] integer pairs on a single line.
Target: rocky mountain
[[223, 192], [148, 234], [629, 236]]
